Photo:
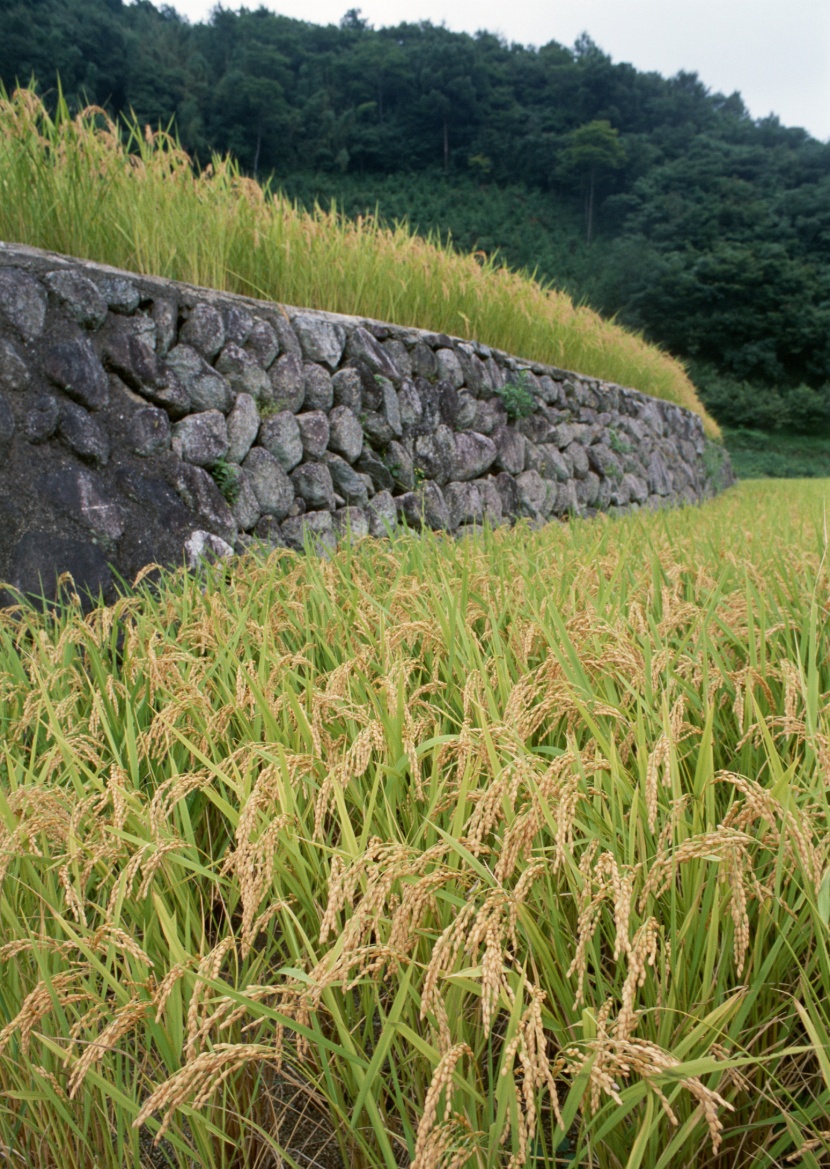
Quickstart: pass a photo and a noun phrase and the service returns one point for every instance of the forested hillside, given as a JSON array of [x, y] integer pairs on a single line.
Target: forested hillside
[[651, 198]]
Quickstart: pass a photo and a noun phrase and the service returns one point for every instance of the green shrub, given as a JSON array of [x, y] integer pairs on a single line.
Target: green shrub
[[757, 454], [745, 405], [518, 398]]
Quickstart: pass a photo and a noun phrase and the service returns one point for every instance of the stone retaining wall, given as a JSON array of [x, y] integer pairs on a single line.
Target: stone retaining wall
[[143, 420]]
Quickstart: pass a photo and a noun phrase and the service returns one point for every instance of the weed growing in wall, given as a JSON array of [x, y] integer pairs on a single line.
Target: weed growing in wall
[[226, 477], [620, 445], [517, 396]]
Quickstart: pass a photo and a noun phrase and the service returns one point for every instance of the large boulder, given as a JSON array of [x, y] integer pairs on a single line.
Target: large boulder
[[280, 435], [321, 340], [474, 454], [242, 425], [206, 389], [270, 484], [243, 372], [425, 507], [201, 439]]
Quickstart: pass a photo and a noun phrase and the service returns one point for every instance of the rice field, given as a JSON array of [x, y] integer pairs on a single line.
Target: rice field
[[504, 853], [129, 196]]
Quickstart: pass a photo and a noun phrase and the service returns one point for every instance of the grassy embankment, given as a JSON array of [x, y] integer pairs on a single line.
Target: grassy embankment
[[512, 851], [88, 189], [758, 454]]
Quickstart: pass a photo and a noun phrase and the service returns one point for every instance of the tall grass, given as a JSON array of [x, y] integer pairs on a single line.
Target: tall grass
[[504, 852], [88, 187]]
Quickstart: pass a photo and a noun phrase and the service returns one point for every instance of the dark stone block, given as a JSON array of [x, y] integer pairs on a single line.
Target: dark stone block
[[347, 482], [347, 389], [430, 396], [401, 467], [166, 316], [510, 447], [149, 432], [243, 373], [536, 428], [268, 529], [508, 493], [140, 368], [435, 455], [287, 377], [448, 402], [39, 558], [345, 433], [262, 343], [604, 461], [286, 337], [474, 454], [313, 484], [74, 366], [42, 420], [369, 464], [84, 497], [270, 484], [79, 296], [83, 435], [363, 348], [425, 508], [424, 361], [23, 302], [377, 429], [14, 370], [202, 496], [371, 397], [6, 426], [132, 360], [314, 530], [201, 438], [121, 295], [238, 324], [153, 495]]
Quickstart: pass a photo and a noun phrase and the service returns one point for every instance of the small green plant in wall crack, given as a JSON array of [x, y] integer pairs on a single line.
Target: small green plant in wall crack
[[615, 474], [226, 477], [620, 445], [517, 397]]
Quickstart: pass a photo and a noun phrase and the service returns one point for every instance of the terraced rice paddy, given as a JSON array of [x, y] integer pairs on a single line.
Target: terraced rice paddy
[[128, 196], [505, 852]]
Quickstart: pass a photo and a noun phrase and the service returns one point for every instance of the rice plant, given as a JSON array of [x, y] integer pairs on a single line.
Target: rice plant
[[89, 187], [503, 852]]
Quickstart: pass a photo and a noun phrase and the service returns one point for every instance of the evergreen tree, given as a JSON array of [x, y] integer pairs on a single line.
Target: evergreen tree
[[591, 153]]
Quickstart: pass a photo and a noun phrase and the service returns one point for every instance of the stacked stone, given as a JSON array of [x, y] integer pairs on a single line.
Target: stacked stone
[[284, 425]]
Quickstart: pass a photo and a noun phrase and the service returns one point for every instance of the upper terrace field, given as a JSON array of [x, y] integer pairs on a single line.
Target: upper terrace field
[[89, 188]]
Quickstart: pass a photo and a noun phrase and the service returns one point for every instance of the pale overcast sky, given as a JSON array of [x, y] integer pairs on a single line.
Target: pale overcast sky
[[775, 52]]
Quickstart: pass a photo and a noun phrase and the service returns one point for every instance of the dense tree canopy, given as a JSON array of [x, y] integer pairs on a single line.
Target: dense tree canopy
[[653, 198]]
